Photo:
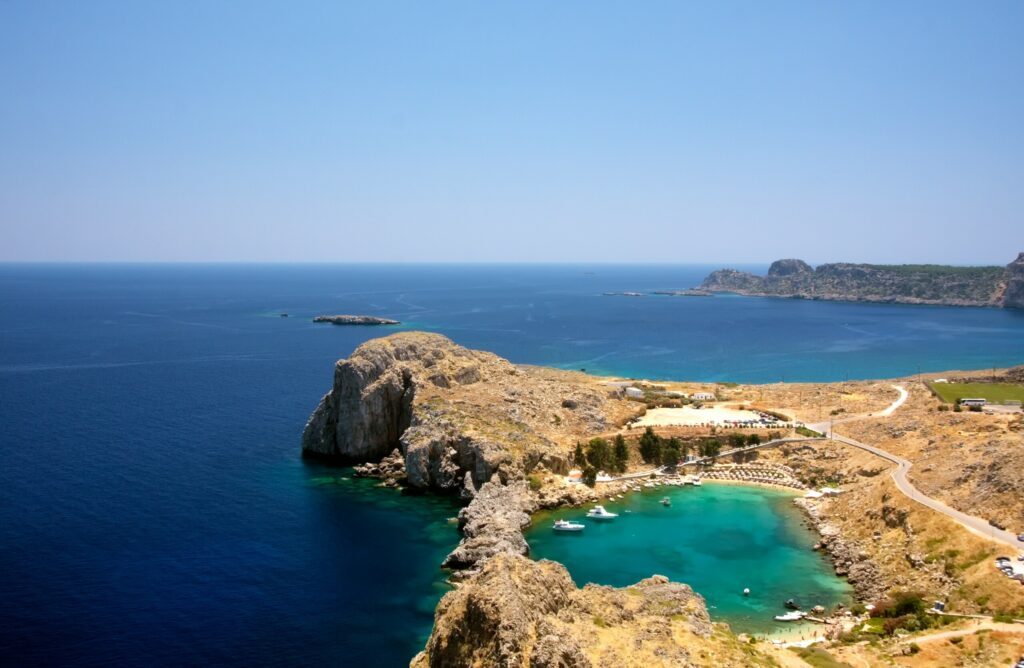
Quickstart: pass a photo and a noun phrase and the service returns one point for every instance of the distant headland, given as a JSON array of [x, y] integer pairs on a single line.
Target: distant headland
[[902, 284], [355, 320]]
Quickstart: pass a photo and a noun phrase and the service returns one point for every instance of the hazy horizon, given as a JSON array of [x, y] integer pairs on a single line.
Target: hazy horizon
[[724, 264], [522, 133]]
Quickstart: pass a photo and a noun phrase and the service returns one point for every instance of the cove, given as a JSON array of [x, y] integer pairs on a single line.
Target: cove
[[719, 539]]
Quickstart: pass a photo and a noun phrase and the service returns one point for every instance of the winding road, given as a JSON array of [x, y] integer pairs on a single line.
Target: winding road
[[974, 524]]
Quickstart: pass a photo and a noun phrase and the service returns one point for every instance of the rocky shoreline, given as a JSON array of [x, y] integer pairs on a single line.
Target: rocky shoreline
[[848, 559]]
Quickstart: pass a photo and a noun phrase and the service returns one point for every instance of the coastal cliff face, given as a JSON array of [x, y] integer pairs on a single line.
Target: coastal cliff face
[[529, 614], [458, 417], [1014, 295], [905, 284]]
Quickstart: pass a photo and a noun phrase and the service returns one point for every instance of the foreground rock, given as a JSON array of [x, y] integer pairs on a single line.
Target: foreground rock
[[453, 412], [355, 320], [524, 613], [905, 284]]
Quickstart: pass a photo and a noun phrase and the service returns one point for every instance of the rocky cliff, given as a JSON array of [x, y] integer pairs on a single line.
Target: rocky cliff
[[529, 614], [1014, 295], [458, 417], [906, 284]]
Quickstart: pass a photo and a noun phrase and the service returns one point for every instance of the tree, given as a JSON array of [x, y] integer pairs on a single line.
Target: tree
[[753, 439], [621, 453], [577, 456], [650, 447], [598, 453], [590, 476], [710, 447], [737, 440], [670, 452]]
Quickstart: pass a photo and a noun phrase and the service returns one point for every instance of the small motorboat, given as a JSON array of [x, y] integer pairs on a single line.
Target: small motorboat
[[666, 501], [599, 513], [746, 592], [794, 616], [565, 525], [792, 605]]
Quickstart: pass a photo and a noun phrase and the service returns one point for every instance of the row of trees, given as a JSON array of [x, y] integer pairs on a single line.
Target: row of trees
[[599, 455], [657, 450]]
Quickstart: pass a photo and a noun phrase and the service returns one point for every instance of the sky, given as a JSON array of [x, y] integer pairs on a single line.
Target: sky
[[682, 132]]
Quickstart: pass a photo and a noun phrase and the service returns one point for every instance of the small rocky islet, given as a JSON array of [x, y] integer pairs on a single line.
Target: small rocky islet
[[354, 320]]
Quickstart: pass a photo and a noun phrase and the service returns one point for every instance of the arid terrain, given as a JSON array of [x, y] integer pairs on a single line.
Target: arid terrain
[[423, 413]]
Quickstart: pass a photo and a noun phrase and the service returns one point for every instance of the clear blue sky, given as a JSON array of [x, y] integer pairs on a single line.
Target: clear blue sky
[[526, 131]]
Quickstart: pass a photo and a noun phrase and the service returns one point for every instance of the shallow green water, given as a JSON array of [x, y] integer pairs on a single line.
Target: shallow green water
[[719, 539]]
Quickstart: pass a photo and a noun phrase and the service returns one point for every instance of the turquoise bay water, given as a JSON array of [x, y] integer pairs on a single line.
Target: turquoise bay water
[[719, 539], [154, 508]]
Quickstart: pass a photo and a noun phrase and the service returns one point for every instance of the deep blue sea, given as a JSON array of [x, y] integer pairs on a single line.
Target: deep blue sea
[[154, 509]]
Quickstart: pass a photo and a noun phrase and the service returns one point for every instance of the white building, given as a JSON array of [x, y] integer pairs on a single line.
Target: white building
[[634, 393], [702, 396]]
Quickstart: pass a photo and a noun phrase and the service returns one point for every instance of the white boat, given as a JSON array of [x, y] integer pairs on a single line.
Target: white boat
[[565, 525], [696, 481], [599, 513], [794, 616]]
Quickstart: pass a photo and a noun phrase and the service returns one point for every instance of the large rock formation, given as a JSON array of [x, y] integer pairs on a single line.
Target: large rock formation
[[906, 284], [457, 416], [529, 614]]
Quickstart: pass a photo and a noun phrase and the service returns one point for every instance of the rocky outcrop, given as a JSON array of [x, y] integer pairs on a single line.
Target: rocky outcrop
[[390, 470], [789, 268], [1014, 295], [529, 614], [452, 412], [355, 320], [905, 284], [493, 524]]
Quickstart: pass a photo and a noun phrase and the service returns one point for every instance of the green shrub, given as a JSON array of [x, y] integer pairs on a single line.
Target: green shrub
[[535, 482]]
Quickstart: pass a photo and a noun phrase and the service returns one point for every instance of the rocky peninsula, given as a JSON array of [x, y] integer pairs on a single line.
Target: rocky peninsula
[[355, 320], [903, 284], [422, 413]]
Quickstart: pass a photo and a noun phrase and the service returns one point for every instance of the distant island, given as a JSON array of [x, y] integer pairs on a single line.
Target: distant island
[[355, 320], [902, 284], [690, 292]]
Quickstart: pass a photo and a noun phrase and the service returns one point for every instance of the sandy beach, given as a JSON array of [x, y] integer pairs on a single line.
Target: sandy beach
[[687, 416]]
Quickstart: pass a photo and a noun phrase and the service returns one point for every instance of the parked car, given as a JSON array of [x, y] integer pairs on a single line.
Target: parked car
[[1020, 537]]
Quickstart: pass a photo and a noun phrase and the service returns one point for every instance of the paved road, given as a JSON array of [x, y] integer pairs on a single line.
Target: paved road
[[977, 525]]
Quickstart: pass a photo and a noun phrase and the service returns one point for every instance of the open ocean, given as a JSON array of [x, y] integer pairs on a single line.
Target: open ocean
[[154, 508]]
